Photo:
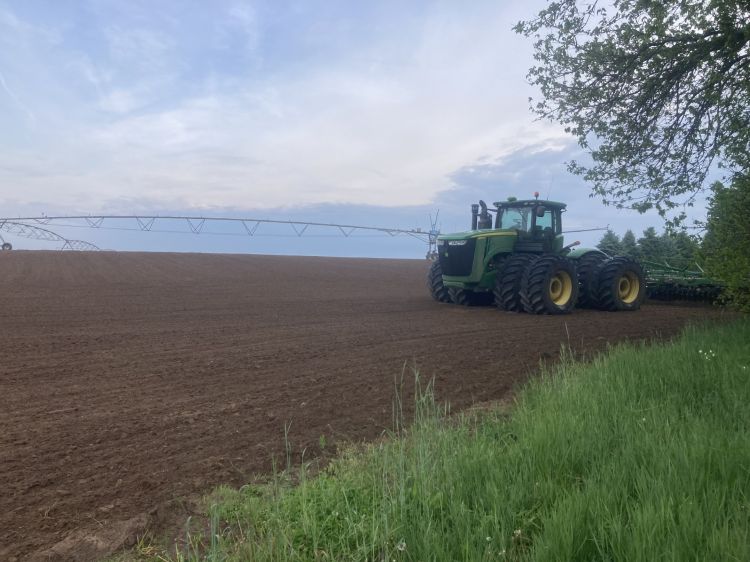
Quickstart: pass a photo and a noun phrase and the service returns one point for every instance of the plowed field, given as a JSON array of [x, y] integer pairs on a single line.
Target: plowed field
[[131, 380]]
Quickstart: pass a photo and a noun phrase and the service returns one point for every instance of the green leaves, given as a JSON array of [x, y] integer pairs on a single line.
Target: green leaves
[[727, 239], [657, 91]]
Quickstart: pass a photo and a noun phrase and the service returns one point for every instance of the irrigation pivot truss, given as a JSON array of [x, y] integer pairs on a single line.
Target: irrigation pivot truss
[[199, 224], [35, 232]]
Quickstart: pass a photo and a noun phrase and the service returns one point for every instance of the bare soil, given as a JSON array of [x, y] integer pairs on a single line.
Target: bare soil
[[131, 380]]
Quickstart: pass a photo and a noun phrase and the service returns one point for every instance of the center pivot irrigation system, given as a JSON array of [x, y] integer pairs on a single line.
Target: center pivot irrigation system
[[37, 228], [35, 232]]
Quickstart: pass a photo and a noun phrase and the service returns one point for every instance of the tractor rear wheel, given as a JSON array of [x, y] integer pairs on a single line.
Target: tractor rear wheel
[[549, 285], [465, 297], [438, 291], [621, 284], [507, 289], [587, 285]]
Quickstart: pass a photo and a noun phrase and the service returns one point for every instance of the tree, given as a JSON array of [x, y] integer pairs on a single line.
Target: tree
[[656, 92], [650, 245], [727, 239], [629, 245], [685, 248], [610, 244]]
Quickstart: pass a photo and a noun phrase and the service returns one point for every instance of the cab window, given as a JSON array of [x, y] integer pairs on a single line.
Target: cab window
[[545, 221], [516, 219]]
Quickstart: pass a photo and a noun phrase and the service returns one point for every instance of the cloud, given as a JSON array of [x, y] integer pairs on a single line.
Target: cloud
[[382, 111]]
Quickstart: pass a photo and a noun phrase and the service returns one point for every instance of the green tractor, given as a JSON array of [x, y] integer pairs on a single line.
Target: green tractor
[[518, 261]]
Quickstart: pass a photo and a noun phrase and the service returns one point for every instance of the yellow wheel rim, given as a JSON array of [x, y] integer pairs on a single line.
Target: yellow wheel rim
[[628, 287], [560, 288]]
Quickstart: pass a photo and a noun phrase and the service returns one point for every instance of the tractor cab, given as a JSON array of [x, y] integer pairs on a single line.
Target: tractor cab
[[537, 223]]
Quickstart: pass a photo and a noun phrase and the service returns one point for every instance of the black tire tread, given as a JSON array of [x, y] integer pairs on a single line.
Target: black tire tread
[[435, 285], [587, 285], [606, 274], [507, 290]]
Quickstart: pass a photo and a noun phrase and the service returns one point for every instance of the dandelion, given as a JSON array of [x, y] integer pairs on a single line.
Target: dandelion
[[401, 546]]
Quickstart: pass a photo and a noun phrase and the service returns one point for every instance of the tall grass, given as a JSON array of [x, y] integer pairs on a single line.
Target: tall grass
[[643, 454]]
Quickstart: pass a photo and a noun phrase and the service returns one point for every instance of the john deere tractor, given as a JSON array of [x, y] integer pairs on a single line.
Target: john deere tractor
[[518, 261]]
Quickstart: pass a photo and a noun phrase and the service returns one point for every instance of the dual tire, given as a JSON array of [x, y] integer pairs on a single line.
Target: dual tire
[[620, 284], [536, 284], [555, 284], [549, 285]]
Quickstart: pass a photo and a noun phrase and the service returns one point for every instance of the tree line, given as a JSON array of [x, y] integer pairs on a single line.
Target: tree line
[[723, 249], [677, 249]]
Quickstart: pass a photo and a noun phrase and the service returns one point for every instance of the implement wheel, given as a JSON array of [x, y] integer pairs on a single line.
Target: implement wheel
[[621, 284], [507, 289], [549, 286], [465, 297], [438, 291], [7, 246], [587, 285]]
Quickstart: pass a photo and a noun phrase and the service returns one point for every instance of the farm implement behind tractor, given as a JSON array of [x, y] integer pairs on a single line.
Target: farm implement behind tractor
[[518, 261], [667, 282]]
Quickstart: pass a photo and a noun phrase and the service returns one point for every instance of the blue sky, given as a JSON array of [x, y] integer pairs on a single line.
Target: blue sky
[[368, 112]]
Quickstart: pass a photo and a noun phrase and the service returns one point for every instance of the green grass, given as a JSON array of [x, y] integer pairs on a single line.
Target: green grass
[[642, 454]]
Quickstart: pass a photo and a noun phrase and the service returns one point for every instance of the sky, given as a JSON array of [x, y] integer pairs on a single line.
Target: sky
[[372, 113]]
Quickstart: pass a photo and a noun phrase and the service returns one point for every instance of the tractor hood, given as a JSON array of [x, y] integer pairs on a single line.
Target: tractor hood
[[469, 234]]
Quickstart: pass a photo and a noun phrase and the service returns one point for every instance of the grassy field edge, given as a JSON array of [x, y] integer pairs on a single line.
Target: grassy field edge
[[641, 454]]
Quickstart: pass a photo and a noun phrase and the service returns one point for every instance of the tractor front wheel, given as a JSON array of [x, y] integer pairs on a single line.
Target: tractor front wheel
[[621, 284], [435, 285], [549, 286], [507, 289]]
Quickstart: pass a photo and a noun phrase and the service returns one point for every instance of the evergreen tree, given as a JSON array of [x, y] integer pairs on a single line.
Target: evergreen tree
[[649, 245], [667, 250], [610, 243], [630, 246], [686, 248]]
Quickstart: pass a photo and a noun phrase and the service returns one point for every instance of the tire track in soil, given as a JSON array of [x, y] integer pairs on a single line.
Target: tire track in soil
[[128, 380]]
